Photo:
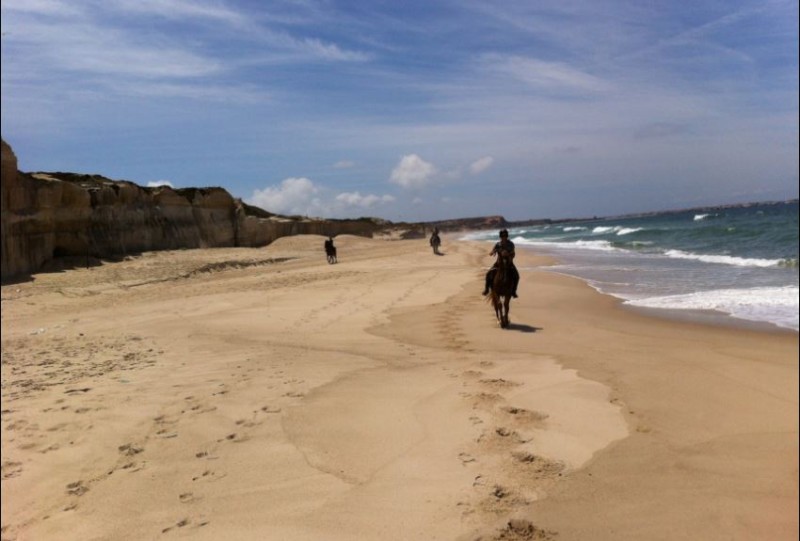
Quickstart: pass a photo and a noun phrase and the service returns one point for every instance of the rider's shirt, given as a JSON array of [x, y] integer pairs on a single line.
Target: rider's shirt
[[508, 247]]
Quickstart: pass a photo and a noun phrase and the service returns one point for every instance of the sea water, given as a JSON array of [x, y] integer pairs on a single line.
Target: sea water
[[738, 262]]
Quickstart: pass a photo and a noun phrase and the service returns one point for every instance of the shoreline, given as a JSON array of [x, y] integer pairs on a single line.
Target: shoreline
[[377, 398], [714, 318], [579, 267]]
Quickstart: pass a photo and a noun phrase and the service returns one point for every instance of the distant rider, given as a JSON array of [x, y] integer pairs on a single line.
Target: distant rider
[[505, 247], [435, 240], [330, 249]]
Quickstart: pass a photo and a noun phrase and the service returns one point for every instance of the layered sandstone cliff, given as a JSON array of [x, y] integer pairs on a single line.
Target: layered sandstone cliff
[[56, 215]]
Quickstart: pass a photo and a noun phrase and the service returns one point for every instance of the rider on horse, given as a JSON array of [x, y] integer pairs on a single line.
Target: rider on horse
[[435, 240], [506, 248], [330, 249]]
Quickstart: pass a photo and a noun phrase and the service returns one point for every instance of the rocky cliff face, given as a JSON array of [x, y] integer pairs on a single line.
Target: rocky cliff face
[[51, 215]]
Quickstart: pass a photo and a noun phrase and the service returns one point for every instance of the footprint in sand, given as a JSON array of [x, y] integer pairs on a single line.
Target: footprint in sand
[[499, 383], [53, 447], [11, 469], [183, 523], [234, 438], [502, 499], [188, 497], [133, 467], [247, 423], [484, 400], [522, 529], [466, 458], [270, 409], [130, 449], [521, 415], [209, 475], [77, 488], [540, 467]]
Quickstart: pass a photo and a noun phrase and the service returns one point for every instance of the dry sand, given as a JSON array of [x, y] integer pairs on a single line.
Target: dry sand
[[264, 394]]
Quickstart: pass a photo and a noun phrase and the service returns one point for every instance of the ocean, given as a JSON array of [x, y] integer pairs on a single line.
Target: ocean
[[726, 264]]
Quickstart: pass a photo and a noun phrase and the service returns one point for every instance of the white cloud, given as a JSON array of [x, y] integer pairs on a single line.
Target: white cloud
[[412, 172], [331, 51], [343, 164], [206, 92], [86, 48], [302, 196], [49, 8], [292, 196], [355, 199], [157, 183], [179, 10], [481, 165], [553, 76]]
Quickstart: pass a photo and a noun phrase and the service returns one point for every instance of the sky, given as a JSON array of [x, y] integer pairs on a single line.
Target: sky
[[413, 110]]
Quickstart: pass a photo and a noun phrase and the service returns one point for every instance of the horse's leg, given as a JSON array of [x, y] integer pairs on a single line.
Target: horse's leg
[[507, 306]]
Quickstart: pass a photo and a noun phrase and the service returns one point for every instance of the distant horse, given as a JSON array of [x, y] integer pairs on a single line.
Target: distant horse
[[330, 251], [435, 243], [502, 288]]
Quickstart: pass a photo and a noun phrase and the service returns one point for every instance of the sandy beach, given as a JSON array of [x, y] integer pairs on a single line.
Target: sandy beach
[[266, 394]]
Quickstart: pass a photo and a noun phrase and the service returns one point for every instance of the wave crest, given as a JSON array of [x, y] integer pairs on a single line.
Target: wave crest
[[725, 259]]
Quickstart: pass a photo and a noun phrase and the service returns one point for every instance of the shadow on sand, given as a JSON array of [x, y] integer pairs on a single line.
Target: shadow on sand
[[522, 327]]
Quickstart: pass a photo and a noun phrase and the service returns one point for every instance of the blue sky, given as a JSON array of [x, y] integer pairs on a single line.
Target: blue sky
[[413, 110]]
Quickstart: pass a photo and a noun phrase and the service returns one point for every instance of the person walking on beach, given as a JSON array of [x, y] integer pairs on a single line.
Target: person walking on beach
[[504, 247]]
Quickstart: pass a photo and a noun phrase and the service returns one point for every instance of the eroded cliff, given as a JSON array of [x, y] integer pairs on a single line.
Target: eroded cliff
[[65, 215]]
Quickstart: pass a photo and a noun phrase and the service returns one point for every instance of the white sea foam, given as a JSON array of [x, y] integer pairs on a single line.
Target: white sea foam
[[603, 245], [618, 229], [698, 217], [725, 259], [594, 245], [777, 305], [574, 228]]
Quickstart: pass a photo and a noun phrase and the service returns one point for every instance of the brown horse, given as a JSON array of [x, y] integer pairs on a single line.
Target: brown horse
[[502, 287]]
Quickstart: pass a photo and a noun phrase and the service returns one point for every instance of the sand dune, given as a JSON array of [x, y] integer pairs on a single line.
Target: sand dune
[[265, 394]]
